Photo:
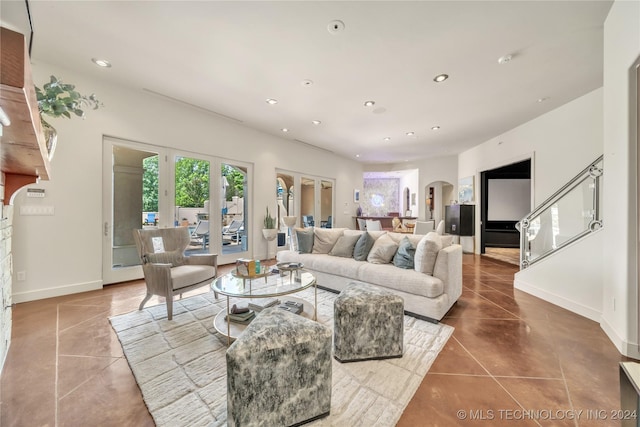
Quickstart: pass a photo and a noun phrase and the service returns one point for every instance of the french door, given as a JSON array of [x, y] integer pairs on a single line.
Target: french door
[[146, 186]]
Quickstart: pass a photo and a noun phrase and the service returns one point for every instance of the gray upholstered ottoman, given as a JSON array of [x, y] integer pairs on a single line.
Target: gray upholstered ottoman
[[368, 323], [279, 371]]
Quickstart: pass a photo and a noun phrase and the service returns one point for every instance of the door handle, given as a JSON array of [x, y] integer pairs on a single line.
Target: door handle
[[106, 229]]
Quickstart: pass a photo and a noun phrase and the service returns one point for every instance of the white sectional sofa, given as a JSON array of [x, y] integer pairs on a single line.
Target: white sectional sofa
[[429, 287]]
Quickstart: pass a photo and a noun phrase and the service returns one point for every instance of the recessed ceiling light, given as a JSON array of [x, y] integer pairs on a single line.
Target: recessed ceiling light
[[284, 130], [435, 127], [336, 26], [369, 103], [387, 138], [411, 133], [271, 101], [357, 155], [316, 122], [504, 59], [542, 99], [440, 78], [307, 82], [101, 62]]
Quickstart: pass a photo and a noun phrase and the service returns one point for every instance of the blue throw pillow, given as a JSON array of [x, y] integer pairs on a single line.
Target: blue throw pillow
[[405, 255], [363, 246], [305, 240]]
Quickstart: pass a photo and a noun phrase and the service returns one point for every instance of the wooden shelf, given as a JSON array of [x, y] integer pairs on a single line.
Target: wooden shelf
[[23, 152]]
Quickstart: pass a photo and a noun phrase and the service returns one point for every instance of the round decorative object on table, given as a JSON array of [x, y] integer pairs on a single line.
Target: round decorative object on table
[[290, 267]]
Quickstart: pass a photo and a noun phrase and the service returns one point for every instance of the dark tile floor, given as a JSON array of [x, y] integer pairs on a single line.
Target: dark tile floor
[[513, 360]]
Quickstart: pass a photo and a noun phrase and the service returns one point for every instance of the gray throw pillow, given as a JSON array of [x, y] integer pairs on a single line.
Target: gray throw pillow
[[305, 240], [344, 246], [363, 246], [405, 255]]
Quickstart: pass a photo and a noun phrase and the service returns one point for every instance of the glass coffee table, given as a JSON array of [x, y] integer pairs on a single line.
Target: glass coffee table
[[264, 285]]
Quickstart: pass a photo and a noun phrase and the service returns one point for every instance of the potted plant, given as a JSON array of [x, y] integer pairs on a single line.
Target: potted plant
[[58, 99], [269, 230]]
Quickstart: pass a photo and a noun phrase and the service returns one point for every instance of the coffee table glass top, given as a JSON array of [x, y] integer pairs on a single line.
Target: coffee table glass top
[[265, 286]]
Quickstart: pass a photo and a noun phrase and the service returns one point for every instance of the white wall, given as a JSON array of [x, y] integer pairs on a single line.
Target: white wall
[[562, 143], [62, 254], [621, 50]]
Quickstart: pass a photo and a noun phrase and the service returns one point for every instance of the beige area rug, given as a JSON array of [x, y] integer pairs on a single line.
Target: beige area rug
[[180, 366]]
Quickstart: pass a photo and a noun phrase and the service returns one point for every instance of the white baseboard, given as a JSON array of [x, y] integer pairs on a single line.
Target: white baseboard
[[558, 300], [38, 294], [625, 348]]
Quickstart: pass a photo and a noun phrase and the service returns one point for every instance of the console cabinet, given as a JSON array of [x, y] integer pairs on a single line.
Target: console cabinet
[[459, 220]]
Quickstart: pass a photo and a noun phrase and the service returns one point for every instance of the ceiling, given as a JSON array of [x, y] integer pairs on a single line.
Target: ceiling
[[230, 57]]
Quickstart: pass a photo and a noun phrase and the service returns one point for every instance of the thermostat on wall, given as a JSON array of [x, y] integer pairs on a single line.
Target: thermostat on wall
[[35, 192]]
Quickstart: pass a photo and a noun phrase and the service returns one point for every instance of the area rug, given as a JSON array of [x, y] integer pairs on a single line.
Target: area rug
[[180, 366]]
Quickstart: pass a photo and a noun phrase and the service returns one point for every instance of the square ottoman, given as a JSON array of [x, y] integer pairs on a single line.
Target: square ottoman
[[368, 323], [279, 371]]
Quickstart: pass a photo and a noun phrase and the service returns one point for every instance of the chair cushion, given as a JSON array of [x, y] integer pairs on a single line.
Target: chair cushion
[[344, 246], [404, 258], [383, 250], [427, 252], [187, 275], [175, 258]]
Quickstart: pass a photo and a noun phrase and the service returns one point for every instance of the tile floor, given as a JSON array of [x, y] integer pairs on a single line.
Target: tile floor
[[510, 352]]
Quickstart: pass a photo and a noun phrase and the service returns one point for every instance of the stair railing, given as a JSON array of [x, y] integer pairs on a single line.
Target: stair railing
[[571, 213]]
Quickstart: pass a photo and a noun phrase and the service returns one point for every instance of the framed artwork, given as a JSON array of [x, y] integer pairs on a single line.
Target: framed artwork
[[465, 190], [356, 196]]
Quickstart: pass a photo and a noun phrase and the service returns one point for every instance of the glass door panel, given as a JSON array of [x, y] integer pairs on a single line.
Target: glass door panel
[[191, 203], [234, 232], [307, 202], [131, 177], [326, 204]]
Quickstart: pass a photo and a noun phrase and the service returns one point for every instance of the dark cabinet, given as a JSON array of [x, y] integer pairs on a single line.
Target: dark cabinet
[[459, 219]]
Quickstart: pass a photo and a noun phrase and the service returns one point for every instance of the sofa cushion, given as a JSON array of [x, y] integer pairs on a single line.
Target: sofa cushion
[[325, 239], [304, 236], [447, 240], [409, 281], [427, 252], [344, 246], [405, 255], [363, 247], [383, 250]]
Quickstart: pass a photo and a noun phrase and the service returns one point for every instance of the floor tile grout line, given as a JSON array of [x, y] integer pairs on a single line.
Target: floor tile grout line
[[85, 320], [566, 387], [90, 378], [494, 378]]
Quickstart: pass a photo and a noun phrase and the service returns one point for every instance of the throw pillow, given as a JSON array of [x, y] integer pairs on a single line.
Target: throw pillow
[[405, 255], [363, 246], [324, 239], [427, 252], [175, 258], [344, 246], [383, 250], [304, 236]]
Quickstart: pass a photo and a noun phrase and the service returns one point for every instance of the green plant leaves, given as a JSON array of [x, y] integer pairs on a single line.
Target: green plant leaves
[[58, 99]]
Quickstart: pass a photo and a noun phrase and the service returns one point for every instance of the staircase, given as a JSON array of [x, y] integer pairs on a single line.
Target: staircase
[[570, 214]]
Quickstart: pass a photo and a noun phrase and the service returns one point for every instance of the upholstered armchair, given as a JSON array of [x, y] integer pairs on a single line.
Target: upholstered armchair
[[167, 270]]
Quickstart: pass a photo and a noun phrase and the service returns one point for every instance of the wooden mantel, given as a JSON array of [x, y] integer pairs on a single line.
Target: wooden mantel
[[23, 151]]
